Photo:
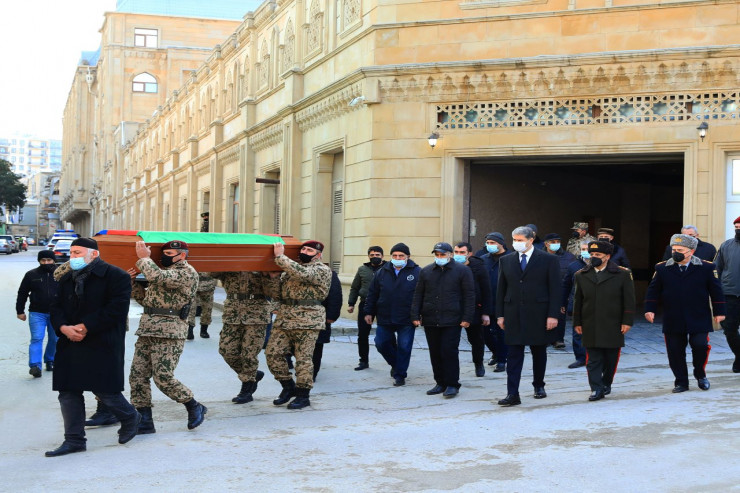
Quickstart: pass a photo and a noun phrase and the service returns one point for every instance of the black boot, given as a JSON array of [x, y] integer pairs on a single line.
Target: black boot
[[147, 422], [301, 399], [102, 417], [129, 428], [190, 332], [288, 392], [196, 413], [204, 331], [245, 394]]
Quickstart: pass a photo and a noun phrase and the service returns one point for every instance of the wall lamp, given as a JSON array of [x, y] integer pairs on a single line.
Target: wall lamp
[[702, 128], [433, 139]]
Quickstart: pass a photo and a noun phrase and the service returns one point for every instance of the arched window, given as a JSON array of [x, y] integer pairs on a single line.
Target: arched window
[[145, 83]]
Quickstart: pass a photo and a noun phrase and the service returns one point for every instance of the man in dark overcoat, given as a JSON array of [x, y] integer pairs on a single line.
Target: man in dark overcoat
[[527, 307], [686, 285], [89, 316], [603, 311]]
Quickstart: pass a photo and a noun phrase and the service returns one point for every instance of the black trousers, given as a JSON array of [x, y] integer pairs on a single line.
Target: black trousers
[[675, 345], [730, 325], [601, 365], [514, 365], [363, 333], [72, 403], [475, 338], [443, 352]]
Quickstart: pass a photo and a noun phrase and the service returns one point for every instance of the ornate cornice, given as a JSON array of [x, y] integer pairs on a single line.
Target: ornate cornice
[[268, 137], [228, 156], [333, 106]]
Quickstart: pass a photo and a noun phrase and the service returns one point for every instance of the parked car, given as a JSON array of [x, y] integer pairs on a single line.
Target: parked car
[[52, 243], [30, 241], [5, 247], [13, 244], [22, 243], [61, 250]]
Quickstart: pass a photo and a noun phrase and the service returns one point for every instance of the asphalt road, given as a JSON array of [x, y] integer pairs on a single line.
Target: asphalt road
[[361, 434]]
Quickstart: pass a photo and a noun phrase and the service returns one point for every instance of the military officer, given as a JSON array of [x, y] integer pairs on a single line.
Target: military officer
[[603, 311], [303, 287], [686, 285], [205, 216], [204, 300], [247, 311], [162, 331], [580, 234]]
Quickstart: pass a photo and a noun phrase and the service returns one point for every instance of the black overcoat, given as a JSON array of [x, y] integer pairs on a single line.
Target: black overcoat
[[526, 299], [602, 303], [96, 362]]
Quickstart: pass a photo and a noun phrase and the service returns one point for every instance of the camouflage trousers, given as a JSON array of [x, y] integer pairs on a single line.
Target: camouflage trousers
[[204, 299], [301, 343], [239, 345], [156, 357]]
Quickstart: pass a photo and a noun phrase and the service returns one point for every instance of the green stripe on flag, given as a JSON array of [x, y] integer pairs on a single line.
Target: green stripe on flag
[[209, 238]]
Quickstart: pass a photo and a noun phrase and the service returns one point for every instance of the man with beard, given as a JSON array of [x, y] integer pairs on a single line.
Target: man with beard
[[359, 289]]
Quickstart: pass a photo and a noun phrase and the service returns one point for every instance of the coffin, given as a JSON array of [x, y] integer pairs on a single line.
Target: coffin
[[209, 252]]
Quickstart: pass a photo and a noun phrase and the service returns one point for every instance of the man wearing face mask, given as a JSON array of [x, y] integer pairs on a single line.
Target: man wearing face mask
[[686, 285], [565, 258], [162, 331], [527, 307], [728, 268], [619, 256], [603, 311], [359, 289], [580, 233], [583, 261], [40, 284], [89, 315], [389, 300], [493, 335]]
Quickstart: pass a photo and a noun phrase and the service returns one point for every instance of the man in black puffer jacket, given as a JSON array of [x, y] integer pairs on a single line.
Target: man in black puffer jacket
[[333, 306], [444, 301]]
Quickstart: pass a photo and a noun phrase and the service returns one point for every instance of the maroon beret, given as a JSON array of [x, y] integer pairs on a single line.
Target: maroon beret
[[175, 245], [737, 220], [316, 245]]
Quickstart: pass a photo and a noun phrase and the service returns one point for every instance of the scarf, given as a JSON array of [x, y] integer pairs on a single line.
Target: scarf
[[79, 276]]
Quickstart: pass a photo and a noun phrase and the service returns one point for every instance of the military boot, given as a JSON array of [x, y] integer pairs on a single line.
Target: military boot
[[301, 399], [245, 394], [190, 332], [146, 426], [196, 413], [102, 417], [129, 428], [204, 331], [288, 392]]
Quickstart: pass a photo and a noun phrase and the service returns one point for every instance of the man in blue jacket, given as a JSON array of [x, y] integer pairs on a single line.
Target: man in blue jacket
[[493, 334], [566, 307], [686, 285], [389, 300], [565, 258]]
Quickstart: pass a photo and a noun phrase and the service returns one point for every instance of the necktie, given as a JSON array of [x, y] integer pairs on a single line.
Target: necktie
[[683, 268], [523, 262]]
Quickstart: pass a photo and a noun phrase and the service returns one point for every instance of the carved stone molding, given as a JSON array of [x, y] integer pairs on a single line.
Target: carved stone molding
[[329, 108], [228, 156], [202, 169], [268, 137]]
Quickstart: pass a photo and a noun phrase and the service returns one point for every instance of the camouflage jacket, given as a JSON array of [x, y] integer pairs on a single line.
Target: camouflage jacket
[[574, 244], [247, 301], [173, 287], [302, 283], [206, 282]]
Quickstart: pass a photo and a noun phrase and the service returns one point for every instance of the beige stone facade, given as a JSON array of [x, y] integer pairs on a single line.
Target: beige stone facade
[[508, 84]]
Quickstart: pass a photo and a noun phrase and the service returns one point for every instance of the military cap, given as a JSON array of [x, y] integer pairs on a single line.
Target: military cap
[[316, 245], [45, 254], [497, 237], [600, 247], [442, 247], [86, 243], [685, 241], [175, 245], [605, 231], [577, 225], [737, 220], [401, 247], [205, 214], [532, 227]]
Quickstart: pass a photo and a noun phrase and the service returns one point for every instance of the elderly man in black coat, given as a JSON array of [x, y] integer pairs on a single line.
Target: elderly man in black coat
[[89, 316], [527, 307], [686, 285]]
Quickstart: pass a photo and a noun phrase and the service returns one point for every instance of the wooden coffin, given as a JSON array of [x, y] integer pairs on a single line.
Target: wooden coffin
[[209, 252]]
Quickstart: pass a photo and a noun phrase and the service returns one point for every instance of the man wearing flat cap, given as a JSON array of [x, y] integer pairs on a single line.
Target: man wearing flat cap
[[686, 285], [162, 330], [303, 287], [565, 258], [580, 233], [89, 315], [603, 311], [728, 269], [618, 256]]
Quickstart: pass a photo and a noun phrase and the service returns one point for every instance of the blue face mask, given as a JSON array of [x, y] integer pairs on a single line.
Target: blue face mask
[[77, 263], [492, 248], [585, 255], [460, 258], [441, 261], [398, 263], [554, 247]]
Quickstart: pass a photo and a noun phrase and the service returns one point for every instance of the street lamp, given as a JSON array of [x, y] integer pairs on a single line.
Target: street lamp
[[702, 128]]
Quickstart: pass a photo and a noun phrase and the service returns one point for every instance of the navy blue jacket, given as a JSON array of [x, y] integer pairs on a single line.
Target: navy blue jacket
[[619, 256], [390, 296], [444, 296], [42, 288], [686, 296], [491, 262], [483, 299], [567, 283]]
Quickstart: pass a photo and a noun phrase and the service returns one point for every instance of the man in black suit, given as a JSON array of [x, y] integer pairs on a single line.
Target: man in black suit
[[527, 305], [686, 285]]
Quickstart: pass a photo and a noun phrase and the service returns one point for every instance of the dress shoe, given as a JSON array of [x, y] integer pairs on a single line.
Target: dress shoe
[[596, 395], [35, 371], [680, 388], [204, 331], [450, 392], [559, 345], [196, 413], [190, 336], [703, 383], [129, 428], [362, 366], [577, 364], [539, 393], [607, 389], [398, 381], [499, 368], [510, 400], [49, 366], [492, 361], [437, 389], [66, 448], [480, 370]]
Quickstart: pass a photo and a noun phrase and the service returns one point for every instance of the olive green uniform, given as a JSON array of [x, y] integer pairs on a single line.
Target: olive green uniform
[[204, 299]]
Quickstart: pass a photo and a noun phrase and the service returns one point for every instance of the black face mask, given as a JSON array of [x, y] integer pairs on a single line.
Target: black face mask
[[167, 260], [596, 261], [678, 256], [737, 234], [607, 240], [575, 234], [48, 267], [305, 258], [376, 260]]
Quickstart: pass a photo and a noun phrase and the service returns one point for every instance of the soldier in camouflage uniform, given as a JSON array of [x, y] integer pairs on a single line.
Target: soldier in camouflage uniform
[[162, 331], [303, 287], [204, 300], [247, 311], [580, 234]]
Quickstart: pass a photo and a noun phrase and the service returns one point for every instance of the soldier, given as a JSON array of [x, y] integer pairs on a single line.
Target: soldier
[[204, 301], [303, 287], [162, 331], [204, 227], [247, 311], [580, 234]]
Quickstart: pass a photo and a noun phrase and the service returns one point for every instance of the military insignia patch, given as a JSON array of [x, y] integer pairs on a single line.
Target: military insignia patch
[[715, 274]]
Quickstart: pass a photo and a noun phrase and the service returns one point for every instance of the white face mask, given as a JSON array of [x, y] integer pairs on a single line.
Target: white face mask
[[519, 246]]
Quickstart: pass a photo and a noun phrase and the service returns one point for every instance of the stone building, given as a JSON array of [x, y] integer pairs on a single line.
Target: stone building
[[312, 118]]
